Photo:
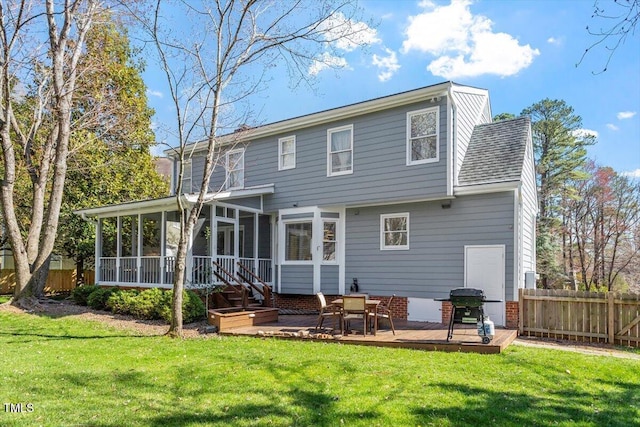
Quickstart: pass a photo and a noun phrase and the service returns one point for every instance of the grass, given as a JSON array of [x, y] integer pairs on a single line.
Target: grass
[[75, 372], [4, 298]]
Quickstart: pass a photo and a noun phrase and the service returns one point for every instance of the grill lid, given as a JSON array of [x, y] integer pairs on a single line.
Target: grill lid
[[466, 293]]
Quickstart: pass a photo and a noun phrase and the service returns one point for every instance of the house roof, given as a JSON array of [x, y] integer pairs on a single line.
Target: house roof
[[495, 153], [331, 115]]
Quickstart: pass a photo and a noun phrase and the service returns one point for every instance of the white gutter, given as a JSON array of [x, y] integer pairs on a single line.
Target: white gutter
[[492, 187]]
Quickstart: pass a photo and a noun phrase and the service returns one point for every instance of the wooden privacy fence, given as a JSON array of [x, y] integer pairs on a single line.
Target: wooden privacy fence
[[58, 280], [581, 316]]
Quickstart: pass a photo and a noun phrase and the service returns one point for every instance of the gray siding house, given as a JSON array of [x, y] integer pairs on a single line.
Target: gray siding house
[[412, 194]]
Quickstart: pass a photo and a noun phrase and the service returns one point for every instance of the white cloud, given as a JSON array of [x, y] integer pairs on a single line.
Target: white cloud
[[585, 133], [612, 127], [554, 41], [632, 174], [465, 44], [622, 115], [326, 60], [387, 65], [155, 93], [346, 34]]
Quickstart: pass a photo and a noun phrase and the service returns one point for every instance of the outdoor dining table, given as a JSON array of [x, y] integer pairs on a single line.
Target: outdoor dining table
[[371, 307]]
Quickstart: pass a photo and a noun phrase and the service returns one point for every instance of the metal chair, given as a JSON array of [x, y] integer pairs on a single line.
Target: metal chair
[[384, 312], [327, 310], [354, 307]]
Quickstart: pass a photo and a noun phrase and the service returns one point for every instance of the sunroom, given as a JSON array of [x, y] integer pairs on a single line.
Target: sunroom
[[136, 243]]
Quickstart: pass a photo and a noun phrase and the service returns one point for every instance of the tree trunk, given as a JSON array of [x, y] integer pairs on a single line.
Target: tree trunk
[[80, 271]]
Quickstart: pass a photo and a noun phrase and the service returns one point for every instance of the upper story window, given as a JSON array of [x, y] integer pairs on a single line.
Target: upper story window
[[287, 153], [186, 177], [394, 231], [234, 165], [340, 151], [422, 136]]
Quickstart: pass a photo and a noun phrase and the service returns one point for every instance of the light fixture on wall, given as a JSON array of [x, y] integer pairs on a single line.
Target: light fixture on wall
[[446, 204], [295, 204]]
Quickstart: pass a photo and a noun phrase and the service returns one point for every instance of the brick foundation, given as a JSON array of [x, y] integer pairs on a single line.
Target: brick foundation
[[310, 302], [512, 315]]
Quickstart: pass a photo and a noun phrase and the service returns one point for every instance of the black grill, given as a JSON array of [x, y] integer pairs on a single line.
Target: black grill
[[468, 307]]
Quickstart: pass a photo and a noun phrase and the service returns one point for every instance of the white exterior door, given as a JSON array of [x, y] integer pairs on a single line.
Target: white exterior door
[[484, 269]]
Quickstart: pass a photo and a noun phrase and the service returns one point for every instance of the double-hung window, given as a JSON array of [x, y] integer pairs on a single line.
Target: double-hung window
[[329, 240], [186, 177], [422, 136], [234, 165], [394, 231], [287, 153], [298, 241], [340, 151]]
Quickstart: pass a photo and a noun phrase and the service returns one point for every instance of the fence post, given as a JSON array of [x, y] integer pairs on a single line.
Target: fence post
[[521, 311], [611, 318]]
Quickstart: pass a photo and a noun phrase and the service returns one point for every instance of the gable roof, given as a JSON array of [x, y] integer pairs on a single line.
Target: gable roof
[[331, 115], [496, 152]]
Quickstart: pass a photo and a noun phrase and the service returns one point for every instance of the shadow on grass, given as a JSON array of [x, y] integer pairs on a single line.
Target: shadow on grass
[[42, 336], [619, 406]]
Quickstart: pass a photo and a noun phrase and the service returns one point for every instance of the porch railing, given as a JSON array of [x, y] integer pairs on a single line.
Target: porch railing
[[129, 270], [156, 270]]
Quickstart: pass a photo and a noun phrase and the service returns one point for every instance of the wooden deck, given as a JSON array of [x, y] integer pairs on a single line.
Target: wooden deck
[[415, 335]]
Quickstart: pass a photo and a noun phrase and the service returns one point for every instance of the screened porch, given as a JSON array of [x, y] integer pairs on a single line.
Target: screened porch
[[139, 249]]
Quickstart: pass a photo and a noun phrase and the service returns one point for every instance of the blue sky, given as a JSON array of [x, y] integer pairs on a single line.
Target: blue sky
[[521, 51]]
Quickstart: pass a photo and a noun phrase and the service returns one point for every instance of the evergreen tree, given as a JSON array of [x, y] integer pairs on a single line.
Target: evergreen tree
[[560, 155]]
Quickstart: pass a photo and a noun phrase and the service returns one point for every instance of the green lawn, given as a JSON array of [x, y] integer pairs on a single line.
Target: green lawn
[[74, 372]]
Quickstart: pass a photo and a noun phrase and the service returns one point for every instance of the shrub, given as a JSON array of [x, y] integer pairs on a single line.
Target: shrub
[[122, 302], [148, 304], [81, 293], [192, 307], [98, 298]]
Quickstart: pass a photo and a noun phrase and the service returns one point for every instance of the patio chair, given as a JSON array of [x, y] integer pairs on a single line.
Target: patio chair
[[383, 312], [354, 307], [327, 310]]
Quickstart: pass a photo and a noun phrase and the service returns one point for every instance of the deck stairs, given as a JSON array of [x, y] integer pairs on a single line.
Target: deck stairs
[[244, 289]]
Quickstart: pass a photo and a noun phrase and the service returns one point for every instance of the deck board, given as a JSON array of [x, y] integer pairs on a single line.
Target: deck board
[[414, 335]]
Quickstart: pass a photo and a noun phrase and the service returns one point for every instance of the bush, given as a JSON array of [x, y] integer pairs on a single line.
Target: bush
[[81, 293], [98, 298], [122, 302], [148, 304], [192, 307]]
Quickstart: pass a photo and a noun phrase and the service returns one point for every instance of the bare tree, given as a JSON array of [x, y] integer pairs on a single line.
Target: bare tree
[[604, 224], [227, 55], [619, 19], [40, 48]]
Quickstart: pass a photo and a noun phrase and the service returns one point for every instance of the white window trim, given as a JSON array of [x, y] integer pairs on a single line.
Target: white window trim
[[329, 132], [415, 113], [281, 166], [383, 246], [286, 261], [336, 242], [226, 167]]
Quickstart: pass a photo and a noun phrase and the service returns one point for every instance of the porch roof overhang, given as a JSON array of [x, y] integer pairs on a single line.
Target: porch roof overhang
[[171, 203]]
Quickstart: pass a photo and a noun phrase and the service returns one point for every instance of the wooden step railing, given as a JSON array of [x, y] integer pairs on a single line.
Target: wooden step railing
[[239, 290], [265, 290]]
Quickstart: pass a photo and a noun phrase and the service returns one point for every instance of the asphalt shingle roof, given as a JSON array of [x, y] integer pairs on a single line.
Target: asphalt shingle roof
[[495, 153]]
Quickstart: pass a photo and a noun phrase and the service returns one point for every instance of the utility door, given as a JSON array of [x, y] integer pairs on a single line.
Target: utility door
[[484, 269]]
